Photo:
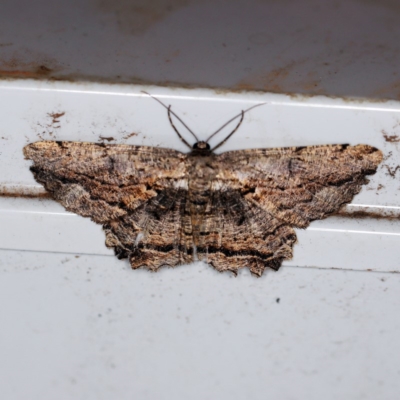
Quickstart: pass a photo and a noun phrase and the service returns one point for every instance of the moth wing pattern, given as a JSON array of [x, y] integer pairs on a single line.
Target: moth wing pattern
[[254, 200], [301, 184], [136, 192], [155, 234], [239, 234], [261, 194]]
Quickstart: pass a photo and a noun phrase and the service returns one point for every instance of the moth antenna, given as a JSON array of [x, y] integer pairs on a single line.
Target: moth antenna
[[176, 130], [237, 127], [176, 116], [232, 119]]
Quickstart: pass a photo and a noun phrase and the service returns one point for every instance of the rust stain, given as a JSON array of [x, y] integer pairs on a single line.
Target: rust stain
[[28, 65], [391, 91], [280, 79], [390, 138], [360, 214], [272, 81], [243, 86], [37, 72], [29, 193], [56, 117], [16, 67], [312, 83], [130, 135]]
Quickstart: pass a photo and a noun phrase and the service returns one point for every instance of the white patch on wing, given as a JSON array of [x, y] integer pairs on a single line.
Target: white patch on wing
[[180, 184], [195, 258], [139, 238]]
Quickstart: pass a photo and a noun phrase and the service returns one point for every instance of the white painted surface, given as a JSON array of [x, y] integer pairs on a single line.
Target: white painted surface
[[94, 110], [90, 328], [76, 323]]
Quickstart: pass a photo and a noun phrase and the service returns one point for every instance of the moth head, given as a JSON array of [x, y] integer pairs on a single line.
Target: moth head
[[201, 146]]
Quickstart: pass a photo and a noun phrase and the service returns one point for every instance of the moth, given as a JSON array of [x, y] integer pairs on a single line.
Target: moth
[[161, 207]]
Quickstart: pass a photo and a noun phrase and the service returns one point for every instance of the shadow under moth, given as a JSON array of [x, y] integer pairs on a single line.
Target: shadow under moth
[[161, 207]]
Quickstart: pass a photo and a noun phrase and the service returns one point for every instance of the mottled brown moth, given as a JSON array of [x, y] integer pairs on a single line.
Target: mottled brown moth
[[160, 207]]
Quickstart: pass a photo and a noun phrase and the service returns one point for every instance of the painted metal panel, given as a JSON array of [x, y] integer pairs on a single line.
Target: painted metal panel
[[35, 110], [90, 328]]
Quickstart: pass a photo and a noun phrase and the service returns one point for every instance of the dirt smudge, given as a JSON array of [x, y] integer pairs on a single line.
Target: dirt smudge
[[15, 69], [391, 171], [106, 138], [136, 16], [390, 138], [21, 192], [129, 136], [361, 214], [56, 117]]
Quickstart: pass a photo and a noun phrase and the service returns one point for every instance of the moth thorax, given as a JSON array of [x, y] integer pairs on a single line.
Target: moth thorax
[[201, 146]]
